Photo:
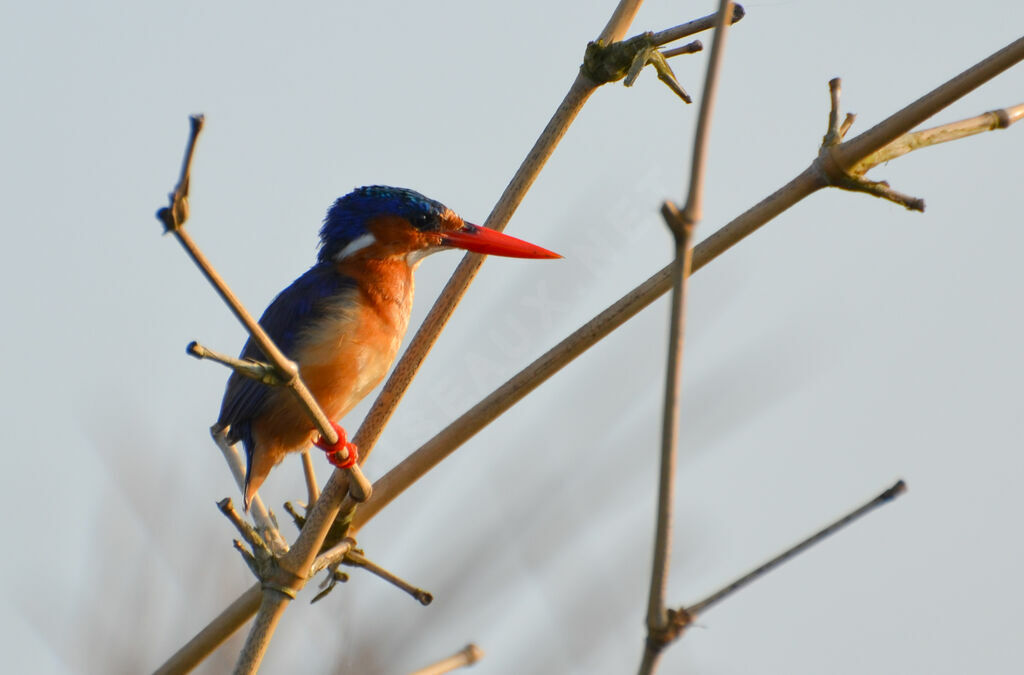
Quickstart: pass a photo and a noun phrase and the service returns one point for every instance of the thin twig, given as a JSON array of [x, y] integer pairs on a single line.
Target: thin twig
[[883, 498], [466, 656], [682, 224], [915, 140], [693, 27], [682, 233], [688, 48], [680, 619], [254, 370], [694, 209], [357, 559], [309, 473]]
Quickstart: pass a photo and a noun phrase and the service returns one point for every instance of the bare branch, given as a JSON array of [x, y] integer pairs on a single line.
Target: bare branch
[[254, 370], [680, 619], [466, 656], [688, 48], [309, 473], [682, 225], [915, 140], [216, 632], [696, 26], [883, 498], [355, 558]]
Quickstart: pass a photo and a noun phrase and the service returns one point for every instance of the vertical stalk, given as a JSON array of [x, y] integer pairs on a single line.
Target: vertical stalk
[[659, 629], [657, 617]]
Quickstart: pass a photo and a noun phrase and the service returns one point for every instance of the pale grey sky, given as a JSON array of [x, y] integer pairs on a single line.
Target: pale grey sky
[[847, 344]]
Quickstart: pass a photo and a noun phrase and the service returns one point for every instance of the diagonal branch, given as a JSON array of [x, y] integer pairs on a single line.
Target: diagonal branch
[[466, 656], [881, 499], [812, 179], [990, 121], [680, 619]]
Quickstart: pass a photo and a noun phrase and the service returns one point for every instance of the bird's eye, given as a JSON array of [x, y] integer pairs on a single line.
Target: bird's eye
[[425, 223]]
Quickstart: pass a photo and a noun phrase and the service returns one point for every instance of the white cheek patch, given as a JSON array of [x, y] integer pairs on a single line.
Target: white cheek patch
[[413, 258], [357, 244]]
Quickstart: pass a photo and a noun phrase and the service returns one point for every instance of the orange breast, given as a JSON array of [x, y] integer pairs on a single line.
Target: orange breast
[[342, 357]]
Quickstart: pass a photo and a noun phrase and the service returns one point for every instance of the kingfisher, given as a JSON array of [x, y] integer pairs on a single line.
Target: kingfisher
[[343, 321]]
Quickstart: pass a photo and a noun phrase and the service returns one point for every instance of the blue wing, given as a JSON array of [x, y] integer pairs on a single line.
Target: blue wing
[[294, 309]]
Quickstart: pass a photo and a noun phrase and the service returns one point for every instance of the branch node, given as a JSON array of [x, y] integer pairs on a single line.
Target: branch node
[[678, 223], [259, 557], [1002, 116], [853, 179], [625, 59], [662, 636]]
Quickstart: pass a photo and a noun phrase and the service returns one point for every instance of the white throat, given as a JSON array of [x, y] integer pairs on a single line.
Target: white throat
[[413, 258]]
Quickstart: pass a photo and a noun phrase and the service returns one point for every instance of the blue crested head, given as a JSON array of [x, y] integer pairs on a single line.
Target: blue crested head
[[348, 218]]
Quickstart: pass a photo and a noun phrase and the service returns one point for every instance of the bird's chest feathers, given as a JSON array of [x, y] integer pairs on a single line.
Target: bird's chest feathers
[[350, 349]]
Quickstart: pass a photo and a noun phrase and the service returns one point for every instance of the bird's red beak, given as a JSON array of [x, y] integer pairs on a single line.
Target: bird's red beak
[[483, 240]]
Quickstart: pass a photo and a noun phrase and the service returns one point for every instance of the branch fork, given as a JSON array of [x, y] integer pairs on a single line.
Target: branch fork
[[853, 179], [624, 60], [260, 558], [606, 62]]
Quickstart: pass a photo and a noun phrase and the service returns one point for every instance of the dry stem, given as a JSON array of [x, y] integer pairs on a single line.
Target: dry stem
[[881, 499], [466, 656], [215, 633], [990, 121], [682, 225]]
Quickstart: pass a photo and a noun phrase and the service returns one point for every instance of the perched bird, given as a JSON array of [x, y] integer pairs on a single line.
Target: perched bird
[[343, 320]]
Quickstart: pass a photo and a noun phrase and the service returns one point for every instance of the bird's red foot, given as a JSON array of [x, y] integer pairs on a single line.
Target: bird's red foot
[[342, 454]]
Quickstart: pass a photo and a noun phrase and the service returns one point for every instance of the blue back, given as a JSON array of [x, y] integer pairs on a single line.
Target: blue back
[[295, 309]]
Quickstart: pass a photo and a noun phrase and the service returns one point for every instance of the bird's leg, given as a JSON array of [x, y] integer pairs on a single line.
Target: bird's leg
[[341, 454]]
